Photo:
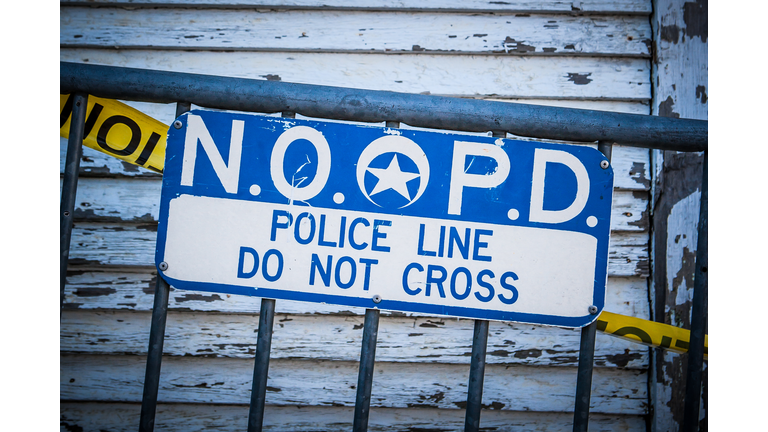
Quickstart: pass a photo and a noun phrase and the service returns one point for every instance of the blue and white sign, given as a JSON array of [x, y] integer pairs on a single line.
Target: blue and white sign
[[396, 219]]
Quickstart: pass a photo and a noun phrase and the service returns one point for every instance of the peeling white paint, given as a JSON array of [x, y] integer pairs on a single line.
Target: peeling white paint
[[682, 234]]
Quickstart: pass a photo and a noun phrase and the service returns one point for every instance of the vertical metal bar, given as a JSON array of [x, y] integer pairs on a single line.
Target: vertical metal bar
[[584, 378], [154, 356], [156, 340], [698, 316], [477, 362], [365, 375], [605, 148], [261, 366], [476, 376], [69, 186], [182, 107], [367, 358], [586, 353], [263, 349]]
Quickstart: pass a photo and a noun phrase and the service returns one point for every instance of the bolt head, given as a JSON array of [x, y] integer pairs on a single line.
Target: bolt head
[[177, 124], [604, 164], [163, 266], [376, 298], [592, 309]]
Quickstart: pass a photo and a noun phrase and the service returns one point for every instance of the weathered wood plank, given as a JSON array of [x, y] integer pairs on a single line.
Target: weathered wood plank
[[123, 417], [564, 6], [124, 200], [108, 244], [526, 77], [322, 383], [680, 79], [338, 338], [396, 32], [120, 290]]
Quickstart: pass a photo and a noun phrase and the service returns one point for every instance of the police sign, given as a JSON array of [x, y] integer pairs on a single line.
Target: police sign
[[403, 220]]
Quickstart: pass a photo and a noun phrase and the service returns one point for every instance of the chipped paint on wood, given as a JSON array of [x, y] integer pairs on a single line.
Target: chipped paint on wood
[[535, 77], [122, 417], [332, 383], [338, 338], [135, 291], [681, 68], [616, 7], [125, 200], [394, 32], [681, 254], [680, 79]]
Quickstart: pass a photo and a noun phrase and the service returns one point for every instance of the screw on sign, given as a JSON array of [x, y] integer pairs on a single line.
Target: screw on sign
[[405, 220]]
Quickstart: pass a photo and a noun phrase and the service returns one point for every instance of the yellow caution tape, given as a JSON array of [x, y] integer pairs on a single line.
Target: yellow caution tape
[[647, 332], [118, 130]]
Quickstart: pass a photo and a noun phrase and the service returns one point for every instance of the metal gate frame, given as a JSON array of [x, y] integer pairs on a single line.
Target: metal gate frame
[[338, 103]]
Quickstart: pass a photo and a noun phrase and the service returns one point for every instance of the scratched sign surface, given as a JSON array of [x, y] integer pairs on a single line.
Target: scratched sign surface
[[403, 220]]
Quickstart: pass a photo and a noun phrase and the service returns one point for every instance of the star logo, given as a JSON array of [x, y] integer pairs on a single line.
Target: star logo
[[392, 178], [391, 184]]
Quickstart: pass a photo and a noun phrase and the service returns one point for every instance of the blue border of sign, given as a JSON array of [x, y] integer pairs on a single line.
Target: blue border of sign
[[171, 189]]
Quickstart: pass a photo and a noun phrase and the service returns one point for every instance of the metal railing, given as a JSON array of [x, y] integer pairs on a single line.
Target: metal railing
[[427, 111]]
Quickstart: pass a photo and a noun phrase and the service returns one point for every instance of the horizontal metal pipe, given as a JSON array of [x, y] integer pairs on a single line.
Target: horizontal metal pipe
[[428, 111]]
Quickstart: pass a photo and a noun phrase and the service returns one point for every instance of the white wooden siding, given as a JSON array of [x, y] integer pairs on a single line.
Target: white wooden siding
[[413, 340], [473, 75], [116, 200], [600, 61], [615, 7], [254, 30], [122, 417], [680, 79], [110, 244], [133, 289], [332, 383]]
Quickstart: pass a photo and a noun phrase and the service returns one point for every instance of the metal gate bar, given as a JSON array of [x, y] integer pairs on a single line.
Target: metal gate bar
[[698, 315], [156, 339], [477, 362], [261, 367], [79, 106], [367, 358], [365, 374], [476, 376], [263, 348], [587, 351]]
